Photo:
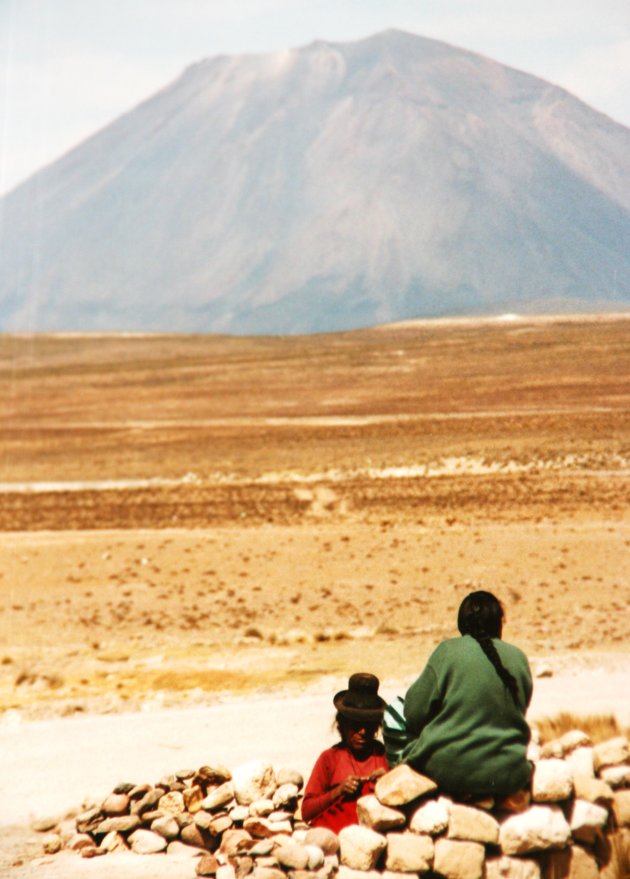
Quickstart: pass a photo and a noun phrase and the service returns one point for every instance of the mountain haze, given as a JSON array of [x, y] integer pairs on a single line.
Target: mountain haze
[[323, 188]]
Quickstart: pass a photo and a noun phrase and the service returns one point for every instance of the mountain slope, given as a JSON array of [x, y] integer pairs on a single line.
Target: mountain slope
[[327, 187]]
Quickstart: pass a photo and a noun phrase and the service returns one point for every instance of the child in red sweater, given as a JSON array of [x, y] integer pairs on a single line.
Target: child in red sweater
[[349, 769]]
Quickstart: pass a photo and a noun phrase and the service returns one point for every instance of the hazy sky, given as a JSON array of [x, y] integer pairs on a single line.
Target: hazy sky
[[68, 67]]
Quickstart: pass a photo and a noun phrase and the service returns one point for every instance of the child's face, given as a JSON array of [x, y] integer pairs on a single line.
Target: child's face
[[358, 735]]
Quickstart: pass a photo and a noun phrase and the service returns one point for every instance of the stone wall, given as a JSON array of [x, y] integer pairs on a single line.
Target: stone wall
[[572, 823]]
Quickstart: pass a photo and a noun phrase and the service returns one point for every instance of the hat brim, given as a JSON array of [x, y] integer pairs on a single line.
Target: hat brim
[[368, 715]]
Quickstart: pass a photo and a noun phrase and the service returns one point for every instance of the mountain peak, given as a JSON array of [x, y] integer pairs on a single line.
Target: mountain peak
[[332, 186]]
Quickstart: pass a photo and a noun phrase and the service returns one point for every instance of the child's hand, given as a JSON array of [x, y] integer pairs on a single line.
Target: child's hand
[[377, 774], [351, 784]]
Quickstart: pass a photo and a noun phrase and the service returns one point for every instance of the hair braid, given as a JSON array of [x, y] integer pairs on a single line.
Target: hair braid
[[481, 616], [507, 677]]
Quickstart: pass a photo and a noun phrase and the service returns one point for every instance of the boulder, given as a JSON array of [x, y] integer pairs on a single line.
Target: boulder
[[145, 842], [551, 781], [292, 856], [324, 838], [504, 867], [594, 790], [454, 859], [211, 776], [218, 796], [262, 807], [475, 825], [148, 801], [402, 785], [581, 762], [285, 794], [431, 817], [616, 776], [351, 873], [207, 865], [119, 824], [587, 820], [289, 776], [409, 852], [360, 847], [234, 841], [253, 781], [172, 803], [225, 871], [611, 751], [166, 826], [192, 798], [372, 813], [114, 842], [537, 828], [315, 857], [573, 739], [115, 804]]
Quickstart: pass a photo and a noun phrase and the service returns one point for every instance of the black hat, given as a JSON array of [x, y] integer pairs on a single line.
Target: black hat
[[361, 700]]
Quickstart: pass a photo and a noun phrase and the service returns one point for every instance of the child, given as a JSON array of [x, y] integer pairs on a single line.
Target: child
[[349, 769]]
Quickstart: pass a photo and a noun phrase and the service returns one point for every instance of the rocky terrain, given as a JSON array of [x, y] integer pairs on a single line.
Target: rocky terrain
[[573, 822]]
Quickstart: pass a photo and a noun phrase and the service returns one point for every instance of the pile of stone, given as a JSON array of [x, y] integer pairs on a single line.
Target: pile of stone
[[248, 822]]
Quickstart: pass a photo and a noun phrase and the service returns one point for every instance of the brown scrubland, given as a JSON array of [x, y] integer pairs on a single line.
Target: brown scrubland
[[187, 515]]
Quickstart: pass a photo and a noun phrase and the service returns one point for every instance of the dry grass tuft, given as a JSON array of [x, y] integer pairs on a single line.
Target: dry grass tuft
[[598, 727], [618, 866]]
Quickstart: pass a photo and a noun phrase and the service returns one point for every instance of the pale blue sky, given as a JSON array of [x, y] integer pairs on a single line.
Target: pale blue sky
[[68, 67]]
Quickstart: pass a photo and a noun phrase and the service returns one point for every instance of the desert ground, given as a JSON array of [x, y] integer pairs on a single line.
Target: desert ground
[[199, 524]]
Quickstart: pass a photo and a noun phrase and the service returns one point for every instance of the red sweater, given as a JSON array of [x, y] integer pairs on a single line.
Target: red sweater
[[332, 767]]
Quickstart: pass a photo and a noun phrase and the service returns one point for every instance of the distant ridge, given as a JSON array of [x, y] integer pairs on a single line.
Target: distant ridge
[[324, 188]]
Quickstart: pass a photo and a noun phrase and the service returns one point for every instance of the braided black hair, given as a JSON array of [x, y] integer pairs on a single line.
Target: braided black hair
[[481, 616]]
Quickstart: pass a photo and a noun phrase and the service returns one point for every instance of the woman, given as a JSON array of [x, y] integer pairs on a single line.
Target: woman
[[349, 769], [465, 714]]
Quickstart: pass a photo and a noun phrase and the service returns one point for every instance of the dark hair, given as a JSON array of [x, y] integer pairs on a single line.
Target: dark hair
[[481, 616]]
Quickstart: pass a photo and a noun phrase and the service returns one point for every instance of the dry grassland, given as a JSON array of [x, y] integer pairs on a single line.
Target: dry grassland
[[181, 516]]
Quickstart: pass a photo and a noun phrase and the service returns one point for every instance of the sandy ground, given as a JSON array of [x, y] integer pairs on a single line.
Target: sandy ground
[[56, 766], [201, 538]]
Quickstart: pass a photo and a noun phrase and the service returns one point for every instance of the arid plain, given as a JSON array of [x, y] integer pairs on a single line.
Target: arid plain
[[187, 516]]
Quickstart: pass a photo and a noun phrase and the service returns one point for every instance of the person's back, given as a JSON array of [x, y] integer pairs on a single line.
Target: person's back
[[470, 731]]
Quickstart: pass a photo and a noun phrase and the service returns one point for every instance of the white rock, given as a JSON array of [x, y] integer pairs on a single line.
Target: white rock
[[458, 860], [573, 739], [409, 852], [360, 847], [551, 781], [292, 856], [504, 867], [402, 785], [262, 807], [611, 752], [145, 842], [315, 857], [285, 795], [431, 817], [225, 871], [580, 761], [475, 825], [537, 828], [253, 781], [374, 814], [534, 752], [616, 776], [586, 820], [114, 842], [220, 796]]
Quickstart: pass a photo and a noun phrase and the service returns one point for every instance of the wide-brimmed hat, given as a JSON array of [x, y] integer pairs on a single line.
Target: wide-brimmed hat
[[361, 700]]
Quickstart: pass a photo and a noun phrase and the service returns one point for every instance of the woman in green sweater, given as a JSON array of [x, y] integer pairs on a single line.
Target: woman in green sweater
[[466, 711]]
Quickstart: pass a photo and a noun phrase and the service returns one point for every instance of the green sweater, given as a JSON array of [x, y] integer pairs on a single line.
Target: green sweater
[[469, 736]]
